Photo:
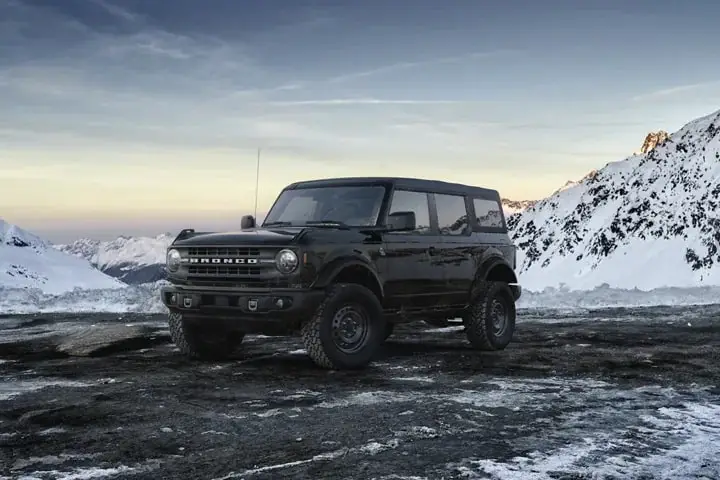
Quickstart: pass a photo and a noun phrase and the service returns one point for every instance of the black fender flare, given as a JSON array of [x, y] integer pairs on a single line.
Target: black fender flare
[[495, 261], [332, 269], [486, 267]]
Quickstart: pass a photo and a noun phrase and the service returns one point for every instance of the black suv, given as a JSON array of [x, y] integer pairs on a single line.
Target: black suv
[[341, 261]]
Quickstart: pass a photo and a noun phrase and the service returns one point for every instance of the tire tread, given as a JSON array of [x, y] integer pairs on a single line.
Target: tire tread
[[476, 319], [198, 348], [313, 334]]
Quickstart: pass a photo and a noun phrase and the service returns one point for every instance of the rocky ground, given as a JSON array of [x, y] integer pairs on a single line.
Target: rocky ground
[[607, 394]]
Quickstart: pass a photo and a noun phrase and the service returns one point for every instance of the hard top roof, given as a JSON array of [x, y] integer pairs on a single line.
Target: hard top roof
[[438, 186]]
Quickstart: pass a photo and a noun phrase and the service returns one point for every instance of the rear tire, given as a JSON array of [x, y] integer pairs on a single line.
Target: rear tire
[[490, 318], [347, 328], [212, 344]]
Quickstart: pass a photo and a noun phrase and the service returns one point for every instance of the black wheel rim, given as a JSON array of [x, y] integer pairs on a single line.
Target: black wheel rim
[[350, 328], [499, 316]]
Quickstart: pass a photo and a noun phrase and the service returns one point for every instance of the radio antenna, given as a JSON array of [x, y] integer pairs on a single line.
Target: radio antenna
[[257, 182]]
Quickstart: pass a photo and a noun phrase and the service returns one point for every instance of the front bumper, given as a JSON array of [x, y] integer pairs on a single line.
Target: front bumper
[[254, 308]]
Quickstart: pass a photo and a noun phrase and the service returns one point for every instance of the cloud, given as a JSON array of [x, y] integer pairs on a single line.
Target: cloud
[[142, 86], [666, 92], [417, 64], [147, 86], [363, 101], [116, 10]]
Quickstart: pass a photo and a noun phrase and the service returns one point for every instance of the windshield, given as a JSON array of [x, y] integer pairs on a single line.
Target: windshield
[[354, 206]]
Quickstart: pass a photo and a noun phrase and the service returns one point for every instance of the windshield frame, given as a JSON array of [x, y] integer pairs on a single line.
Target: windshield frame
[[379, 215]]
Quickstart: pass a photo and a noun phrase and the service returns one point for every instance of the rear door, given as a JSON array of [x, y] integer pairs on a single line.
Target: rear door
[[491, 230], [456, 253], [410, 267]]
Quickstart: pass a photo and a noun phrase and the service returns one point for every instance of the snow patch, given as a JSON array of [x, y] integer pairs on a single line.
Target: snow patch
[[10, 388], [605, 297], [453, 328], [686, 445], [79, 473], [128, 299], [414, 379], [371, 448]]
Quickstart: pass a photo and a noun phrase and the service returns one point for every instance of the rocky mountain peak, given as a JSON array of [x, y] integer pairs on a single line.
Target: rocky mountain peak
[[653, 139]]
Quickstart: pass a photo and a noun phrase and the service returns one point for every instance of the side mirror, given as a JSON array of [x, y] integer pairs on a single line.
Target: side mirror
[[401, 221], [248, 221]]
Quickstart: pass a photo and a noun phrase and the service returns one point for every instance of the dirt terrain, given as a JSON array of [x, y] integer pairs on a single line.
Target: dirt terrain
[[621, 393]]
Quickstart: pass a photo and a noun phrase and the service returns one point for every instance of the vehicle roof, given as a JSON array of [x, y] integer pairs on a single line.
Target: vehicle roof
[[401, 182]]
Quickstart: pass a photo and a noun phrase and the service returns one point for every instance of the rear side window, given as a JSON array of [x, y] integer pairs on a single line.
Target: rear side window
[[488, 213], [452, 214]]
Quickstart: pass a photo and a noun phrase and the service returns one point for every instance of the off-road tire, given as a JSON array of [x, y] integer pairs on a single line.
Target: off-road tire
[[317, 332], [196, 344], [479, 317]]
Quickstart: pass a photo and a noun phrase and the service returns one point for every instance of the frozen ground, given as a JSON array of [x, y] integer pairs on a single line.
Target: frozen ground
[[615, 393]]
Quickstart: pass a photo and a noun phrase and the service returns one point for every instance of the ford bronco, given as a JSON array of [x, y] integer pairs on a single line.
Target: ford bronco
[[341, 262]]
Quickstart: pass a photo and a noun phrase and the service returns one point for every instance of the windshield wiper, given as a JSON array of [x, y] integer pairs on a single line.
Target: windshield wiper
[[277, 224], [333, 223]]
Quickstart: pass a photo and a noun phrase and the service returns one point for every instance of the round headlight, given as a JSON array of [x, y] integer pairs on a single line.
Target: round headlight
[[173, 260], [286, 261]]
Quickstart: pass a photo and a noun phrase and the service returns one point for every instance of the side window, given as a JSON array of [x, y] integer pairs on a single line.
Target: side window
[[407, 201], [488, 213], [452, 214]]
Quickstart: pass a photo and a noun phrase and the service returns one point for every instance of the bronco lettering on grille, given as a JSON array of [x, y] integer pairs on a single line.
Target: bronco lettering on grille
[[224, 261]]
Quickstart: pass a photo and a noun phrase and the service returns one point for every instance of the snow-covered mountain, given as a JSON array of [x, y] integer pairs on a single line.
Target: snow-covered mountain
[[511, 207], [134, 260], [28, 261], [649, 221]]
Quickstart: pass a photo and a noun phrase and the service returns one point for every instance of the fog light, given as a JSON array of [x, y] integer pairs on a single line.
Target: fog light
[[279, 303]]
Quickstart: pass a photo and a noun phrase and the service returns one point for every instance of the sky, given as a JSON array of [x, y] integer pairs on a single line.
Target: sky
[[138, 117]]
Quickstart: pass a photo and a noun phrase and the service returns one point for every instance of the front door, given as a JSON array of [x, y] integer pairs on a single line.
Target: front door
[[411, 267]]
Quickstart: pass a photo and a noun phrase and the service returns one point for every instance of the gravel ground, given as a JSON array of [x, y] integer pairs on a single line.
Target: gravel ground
[[621, 393]]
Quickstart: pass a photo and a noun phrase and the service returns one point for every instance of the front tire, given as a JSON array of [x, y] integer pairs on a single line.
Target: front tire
[[490, 317], [347, 328], [211, 344]]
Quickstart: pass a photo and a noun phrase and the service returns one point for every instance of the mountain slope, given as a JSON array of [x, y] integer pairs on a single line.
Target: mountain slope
[[28, 261], [134, 260], [649, 221]]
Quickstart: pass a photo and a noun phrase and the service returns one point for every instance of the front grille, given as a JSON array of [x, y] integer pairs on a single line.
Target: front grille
[[225, 271], [248, 267]]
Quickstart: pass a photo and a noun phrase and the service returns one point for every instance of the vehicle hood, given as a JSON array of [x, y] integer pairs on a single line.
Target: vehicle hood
[[251, 236]]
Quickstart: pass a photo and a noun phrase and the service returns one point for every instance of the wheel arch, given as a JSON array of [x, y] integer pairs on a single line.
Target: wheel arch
[[496, 269], [351, 269]]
